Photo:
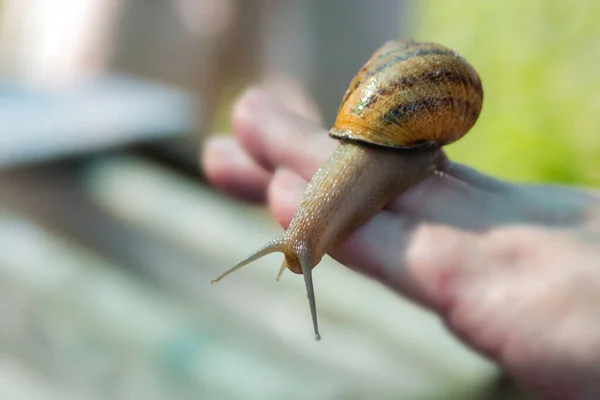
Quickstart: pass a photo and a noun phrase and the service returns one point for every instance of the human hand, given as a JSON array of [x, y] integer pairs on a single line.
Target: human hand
[[514, 270]]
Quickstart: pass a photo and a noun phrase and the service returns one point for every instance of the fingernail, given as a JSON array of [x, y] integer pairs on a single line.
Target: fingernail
[[253, 106]]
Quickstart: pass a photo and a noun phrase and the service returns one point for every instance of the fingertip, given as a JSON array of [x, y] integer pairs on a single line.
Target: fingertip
[[259, 126], [245, 114], [292, 95], [252, 114], [284, 195], [230, 169], [252, 98], [214, 150]]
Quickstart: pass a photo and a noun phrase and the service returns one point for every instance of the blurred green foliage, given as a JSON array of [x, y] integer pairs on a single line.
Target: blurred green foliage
[[539, 64]]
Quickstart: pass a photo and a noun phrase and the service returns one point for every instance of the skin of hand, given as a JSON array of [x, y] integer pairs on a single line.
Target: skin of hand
[[513, 269]]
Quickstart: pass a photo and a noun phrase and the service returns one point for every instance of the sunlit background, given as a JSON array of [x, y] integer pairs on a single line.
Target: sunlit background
[[109, 234]]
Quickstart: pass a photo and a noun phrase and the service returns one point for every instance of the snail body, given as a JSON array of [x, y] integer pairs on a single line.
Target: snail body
[[407, 101]]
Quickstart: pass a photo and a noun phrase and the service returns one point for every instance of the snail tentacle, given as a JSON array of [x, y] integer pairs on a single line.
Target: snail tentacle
[[284, 266], [305, 263], [275, 245]]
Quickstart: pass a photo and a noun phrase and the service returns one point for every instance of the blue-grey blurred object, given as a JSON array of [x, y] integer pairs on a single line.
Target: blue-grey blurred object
[[37, 125]]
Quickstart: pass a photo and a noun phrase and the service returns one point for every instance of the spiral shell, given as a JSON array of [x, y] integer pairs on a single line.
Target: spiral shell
[[408, 95]]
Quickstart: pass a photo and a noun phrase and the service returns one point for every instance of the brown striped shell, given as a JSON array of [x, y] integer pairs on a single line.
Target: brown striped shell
[[410, 94]]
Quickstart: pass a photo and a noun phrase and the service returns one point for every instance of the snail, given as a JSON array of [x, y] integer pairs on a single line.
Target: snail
[[406, 102]]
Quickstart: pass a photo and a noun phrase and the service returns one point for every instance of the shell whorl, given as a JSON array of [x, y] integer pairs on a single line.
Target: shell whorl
[[409, 94]]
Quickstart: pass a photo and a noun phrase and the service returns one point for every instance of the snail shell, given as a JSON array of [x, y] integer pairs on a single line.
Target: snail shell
[[410, 94]]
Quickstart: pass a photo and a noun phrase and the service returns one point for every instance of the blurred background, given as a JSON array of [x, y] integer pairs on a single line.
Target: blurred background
[[109, 234]]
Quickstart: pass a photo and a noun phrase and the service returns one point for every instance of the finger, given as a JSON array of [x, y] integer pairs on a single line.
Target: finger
[[445, 199], [477, 179], [230, 168], [274, 136]]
